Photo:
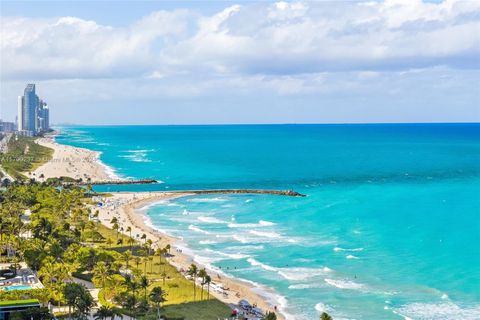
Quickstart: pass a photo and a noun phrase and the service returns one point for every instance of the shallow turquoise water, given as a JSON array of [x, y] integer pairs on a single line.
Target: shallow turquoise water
[[390, 227]]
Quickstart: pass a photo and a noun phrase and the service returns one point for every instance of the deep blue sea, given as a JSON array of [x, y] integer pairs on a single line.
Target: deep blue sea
[[390, 228]]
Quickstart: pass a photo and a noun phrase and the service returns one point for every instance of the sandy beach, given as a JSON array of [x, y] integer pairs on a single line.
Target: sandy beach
[[71, 162], [82, 163], [125, 207]]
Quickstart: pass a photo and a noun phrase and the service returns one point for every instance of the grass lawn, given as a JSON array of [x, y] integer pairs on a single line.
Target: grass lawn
[[24, 155], [179, 291], [211, 309]]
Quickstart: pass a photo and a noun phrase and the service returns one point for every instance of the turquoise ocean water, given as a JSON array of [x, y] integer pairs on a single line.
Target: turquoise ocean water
[[390, 228]]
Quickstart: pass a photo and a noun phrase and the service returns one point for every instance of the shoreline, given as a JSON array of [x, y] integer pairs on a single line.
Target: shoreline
[[127, 207], [76, 162], [73, 162]]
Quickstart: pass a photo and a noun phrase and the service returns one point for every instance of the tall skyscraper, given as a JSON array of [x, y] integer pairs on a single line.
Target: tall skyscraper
[[42, 116], [33, 113], [30, 103], [20, 113]]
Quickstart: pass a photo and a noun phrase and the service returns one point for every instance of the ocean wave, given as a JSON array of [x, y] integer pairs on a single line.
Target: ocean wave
[[241, 239], [167, 203], [246, 248], [197, 229], [437, 311], [352, 257], [234, 256], [207, 242], [345, 284], [302, 286], [260, 223], [298, 274], [137, 158], [293, 273], [200, 200], [272, 235], [338, 249], [256, 263], [109, 171], [321, 307], [139, 150], [212, 220]]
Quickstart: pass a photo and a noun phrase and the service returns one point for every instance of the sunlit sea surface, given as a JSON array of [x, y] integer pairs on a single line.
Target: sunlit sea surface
[[390, 227]]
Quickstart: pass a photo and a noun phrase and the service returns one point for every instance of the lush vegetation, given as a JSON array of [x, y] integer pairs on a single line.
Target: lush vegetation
[[23, 155], [62, 240]]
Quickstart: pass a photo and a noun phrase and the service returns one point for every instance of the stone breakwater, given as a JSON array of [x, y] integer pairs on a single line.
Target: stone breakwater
[[289, 193]]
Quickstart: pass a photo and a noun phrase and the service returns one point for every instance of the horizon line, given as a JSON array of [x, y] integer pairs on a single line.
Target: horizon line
[[263, 124]]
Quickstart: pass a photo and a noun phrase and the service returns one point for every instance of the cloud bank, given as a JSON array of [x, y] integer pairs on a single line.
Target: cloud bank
[[259, 39], [281, 62]]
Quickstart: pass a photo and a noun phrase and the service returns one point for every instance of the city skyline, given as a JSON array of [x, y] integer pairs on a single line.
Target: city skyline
[[245, 62]]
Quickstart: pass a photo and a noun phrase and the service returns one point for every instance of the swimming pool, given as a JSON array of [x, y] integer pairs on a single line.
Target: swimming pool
[[18, 287]]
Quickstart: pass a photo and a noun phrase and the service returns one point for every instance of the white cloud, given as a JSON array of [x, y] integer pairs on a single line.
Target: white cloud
[[284, 38]]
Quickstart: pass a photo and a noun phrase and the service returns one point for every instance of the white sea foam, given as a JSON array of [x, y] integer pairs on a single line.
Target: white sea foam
[[438, 311], [352, 257], [337, 249], [148, 222], [212, 220], [298, 274], [197, 229], [256, 263], [266, 223], [265, 234], [345, 284], [260, 223], [241, 239], [293, 274], [246, 248], [137, 155], [321, 307], [207, 242], [167, 203], [200, 200], [235, 256], [109, 171]]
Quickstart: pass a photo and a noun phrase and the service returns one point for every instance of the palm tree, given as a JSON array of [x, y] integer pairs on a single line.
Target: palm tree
[[159, 252], [100, 273], [168, 248], [144, 285], [325, 316], [145, 260], [270, 316], [202, 274], [129, 230], [208, 280], [131, 241], [150, 259], [157, 296], [138, 260], [193, 272], [127, 255], [104, 313], [116, 227], [79, 297], [132, 285], [148, 245], [144, 237]]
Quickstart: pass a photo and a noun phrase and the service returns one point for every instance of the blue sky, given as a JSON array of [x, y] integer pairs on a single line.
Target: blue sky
[[159, 62]]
